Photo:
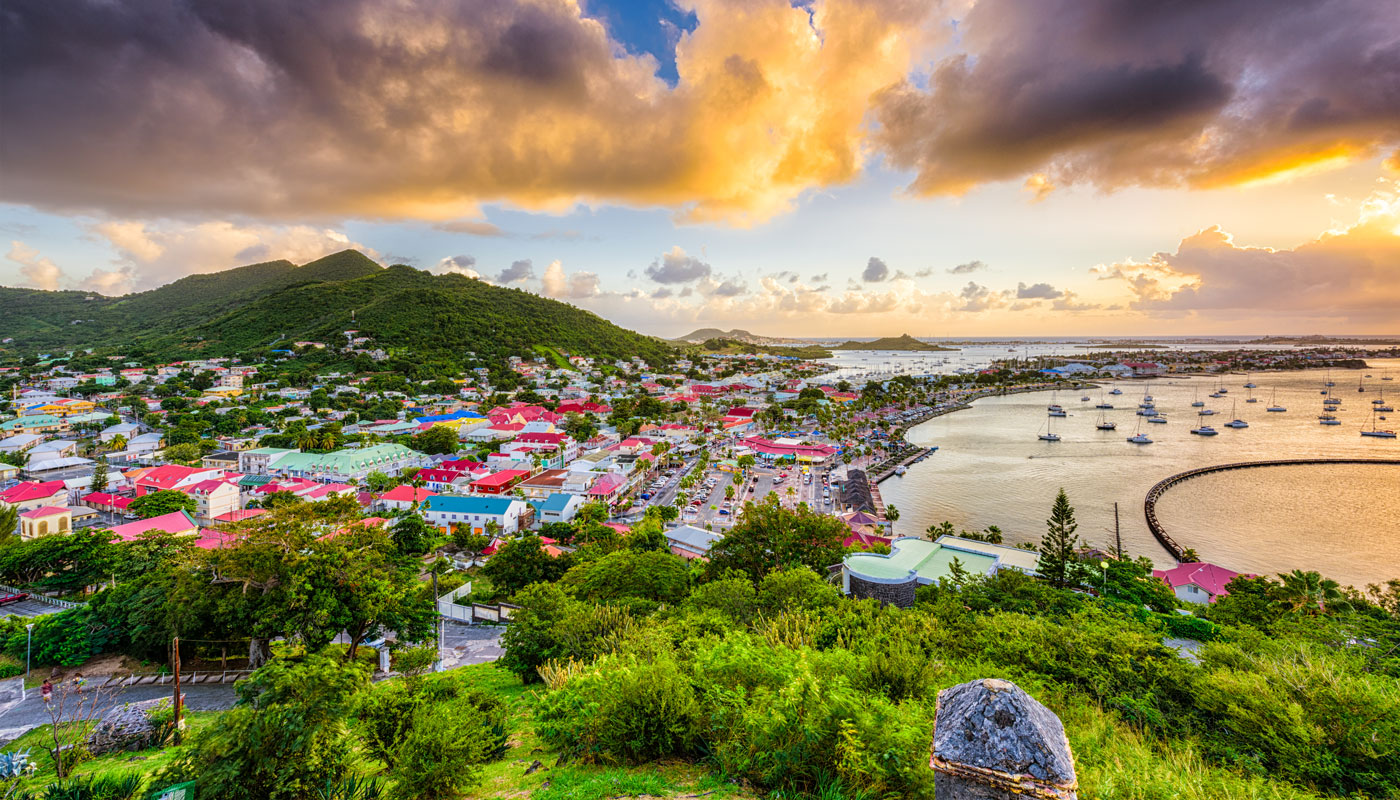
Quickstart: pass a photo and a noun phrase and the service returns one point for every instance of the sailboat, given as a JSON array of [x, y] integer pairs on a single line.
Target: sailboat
[[1328, 406], [1249, 384], [1378, 433], [1203, 429], [1196, 401], [1116, 390], [1104, 424], [1273, 404], [1139, 437], [1049, 435], [1102, 403], [1236, 422], [1379, 403], [1361, 384], [1329, 382], [1054, 408]]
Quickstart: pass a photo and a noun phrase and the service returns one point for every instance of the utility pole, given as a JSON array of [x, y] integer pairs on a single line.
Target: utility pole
[[175, 647], [1117, 534]]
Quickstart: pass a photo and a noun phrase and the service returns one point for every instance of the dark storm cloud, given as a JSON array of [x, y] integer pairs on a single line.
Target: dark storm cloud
[[677, 267], [522, 270], [875, 271], [1118, 93], [967, 268], [1037, 291]]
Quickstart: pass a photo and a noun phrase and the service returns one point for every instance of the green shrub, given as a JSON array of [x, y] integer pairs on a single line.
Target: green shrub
[[623, 710], [1187, 626], [443, 749]]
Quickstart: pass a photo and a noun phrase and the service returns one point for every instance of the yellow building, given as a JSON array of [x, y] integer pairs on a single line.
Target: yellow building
[[43, 521]]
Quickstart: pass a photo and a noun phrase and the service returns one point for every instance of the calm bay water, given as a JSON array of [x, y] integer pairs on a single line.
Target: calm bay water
[[1343, 521]]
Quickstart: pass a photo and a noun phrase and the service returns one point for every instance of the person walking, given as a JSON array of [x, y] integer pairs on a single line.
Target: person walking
[[46, 691]]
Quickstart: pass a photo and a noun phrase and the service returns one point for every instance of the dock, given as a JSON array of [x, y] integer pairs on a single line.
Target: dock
[[907, 460]]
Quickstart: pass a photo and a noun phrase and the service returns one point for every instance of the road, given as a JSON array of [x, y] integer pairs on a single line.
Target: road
[[463, 645], [20, 717]]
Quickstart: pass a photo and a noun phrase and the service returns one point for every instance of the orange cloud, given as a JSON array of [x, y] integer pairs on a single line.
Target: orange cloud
[[427, 110]]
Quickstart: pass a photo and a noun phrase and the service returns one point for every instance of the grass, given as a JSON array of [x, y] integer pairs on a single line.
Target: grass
[[145, 762], [556, 359], [1114, 760]]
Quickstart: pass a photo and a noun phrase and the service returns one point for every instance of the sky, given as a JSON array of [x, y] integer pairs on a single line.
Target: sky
[[822, 168]]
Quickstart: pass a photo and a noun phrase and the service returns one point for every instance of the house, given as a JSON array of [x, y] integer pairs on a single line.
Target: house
[[43, 521], [107, 502], [538, 487], [1144, 369], [893, 578], [474, 511], [45, 423], [145, 443], [1197, 581], [402, 498], [499, 483], [35, 494], [213, 498], [20, 443], [690, 542], [55, 448], [171, 476], [558, 507], [176, 523], [126, 430], [607, 487], [259, 461]]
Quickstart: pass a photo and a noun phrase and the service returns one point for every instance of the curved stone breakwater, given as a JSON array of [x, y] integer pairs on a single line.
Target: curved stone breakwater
[[1149, 505]]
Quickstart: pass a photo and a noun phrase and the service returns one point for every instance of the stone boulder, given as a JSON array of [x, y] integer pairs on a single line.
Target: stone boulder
[[128, 726], [992, 740]]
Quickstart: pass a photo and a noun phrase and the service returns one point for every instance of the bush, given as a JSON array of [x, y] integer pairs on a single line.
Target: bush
[[1187, 626], [443, 750], [68, 638], [623, 709]]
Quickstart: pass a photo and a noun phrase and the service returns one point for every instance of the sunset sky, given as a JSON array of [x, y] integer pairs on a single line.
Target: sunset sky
[[825, 168]]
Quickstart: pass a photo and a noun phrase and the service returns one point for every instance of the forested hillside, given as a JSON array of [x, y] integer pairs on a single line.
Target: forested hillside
[[272, 304]]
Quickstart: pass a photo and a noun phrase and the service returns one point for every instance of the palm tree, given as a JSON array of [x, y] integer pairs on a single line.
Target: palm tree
[[1310, 593], [118, 442]]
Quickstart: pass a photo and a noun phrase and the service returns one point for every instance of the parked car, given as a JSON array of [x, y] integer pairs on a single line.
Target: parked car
[[17, 597]]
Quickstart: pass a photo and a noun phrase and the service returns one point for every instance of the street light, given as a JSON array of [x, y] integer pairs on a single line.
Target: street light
[[1103, 565], [28, 651]]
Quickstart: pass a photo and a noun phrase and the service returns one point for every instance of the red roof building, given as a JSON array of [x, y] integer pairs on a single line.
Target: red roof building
[[1197, 581]]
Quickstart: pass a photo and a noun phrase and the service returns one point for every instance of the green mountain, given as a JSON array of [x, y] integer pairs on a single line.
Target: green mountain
[[703, 335], [273, 304], [905, 342]]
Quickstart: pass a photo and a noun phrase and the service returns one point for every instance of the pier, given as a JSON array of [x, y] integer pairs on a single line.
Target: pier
[[907, 460], [1149, 505]]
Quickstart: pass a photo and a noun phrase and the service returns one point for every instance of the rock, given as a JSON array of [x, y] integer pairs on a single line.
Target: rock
[[128, 727], [533, 768], [992, 740]]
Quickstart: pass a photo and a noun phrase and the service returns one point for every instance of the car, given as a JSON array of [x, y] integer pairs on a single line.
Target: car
[[17, 597], [724, 511], [646, 495]]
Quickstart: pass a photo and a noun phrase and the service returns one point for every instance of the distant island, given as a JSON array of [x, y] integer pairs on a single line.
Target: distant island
[[1325, 340], [703, 335], [904, 342], [1122, 346], [732, 347]]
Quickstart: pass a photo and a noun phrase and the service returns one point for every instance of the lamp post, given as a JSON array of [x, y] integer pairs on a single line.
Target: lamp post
[[28, 652], [1103, 565]]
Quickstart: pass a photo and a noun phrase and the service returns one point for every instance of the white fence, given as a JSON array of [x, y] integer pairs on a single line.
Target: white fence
[[447, 604]]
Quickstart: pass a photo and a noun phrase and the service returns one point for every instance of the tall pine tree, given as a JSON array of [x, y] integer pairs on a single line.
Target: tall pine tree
[[99, 475], [1058, 562]]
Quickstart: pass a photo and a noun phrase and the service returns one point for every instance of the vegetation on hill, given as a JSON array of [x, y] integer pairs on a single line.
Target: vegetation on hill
[[270, 305], [904, 342], [649, 671], [723, 346]]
